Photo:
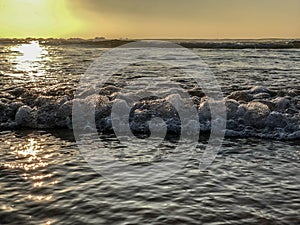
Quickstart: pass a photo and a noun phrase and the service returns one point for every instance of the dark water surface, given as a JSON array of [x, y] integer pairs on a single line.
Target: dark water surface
[[45, 180]]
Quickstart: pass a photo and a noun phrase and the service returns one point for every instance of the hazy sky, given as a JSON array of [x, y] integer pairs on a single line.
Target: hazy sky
[[150, 18]]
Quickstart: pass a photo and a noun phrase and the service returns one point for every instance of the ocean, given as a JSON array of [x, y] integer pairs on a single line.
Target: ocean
[[47, 177]]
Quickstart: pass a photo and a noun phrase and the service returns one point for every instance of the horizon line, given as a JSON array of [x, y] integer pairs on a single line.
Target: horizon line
[[125, 38]]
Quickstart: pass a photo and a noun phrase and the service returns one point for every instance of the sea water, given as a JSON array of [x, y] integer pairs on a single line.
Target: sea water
[[46, 180]]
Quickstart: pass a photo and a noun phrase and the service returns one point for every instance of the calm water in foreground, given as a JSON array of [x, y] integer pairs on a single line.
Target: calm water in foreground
[[45, 180]]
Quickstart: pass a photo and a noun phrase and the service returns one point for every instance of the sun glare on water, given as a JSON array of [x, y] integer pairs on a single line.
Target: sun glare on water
[[30, 52], [32, 157], [29, 59]]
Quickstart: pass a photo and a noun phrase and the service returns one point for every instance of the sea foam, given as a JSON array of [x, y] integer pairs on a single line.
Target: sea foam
[[257, 112]]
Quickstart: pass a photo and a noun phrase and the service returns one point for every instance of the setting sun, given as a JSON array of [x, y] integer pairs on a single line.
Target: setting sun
[[36, 18]]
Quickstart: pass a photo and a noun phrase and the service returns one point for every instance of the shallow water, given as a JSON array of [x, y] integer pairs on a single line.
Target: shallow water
[[44, 179], [38, 82], [62, 65]]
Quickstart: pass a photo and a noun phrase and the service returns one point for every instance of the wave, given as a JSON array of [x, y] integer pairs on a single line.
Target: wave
[[257, 112], [206, 44], [243, 44]]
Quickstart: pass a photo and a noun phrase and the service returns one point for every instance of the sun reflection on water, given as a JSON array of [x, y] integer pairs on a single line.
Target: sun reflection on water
[[29, 149], [30, 59], [29, 156], [33, 158]]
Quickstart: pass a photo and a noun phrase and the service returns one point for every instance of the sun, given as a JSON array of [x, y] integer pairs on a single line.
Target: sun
[[37, 18]]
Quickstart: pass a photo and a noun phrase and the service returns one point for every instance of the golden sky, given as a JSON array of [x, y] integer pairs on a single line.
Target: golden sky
[[150, 18]]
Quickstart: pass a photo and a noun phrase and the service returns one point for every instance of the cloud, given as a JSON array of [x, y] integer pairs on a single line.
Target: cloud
[[189, 18]]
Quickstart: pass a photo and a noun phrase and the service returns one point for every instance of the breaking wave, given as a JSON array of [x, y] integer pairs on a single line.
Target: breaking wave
[[258, 112]]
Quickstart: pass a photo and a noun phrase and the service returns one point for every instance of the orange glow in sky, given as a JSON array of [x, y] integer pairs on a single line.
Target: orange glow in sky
[[37, 18], [150, 19]]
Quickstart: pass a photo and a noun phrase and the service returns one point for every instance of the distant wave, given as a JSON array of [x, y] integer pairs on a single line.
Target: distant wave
[[258, 112], [207, 44], [279, 44]]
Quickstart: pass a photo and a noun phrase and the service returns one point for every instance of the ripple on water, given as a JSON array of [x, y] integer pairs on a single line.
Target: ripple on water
[[45, 179]]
